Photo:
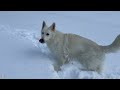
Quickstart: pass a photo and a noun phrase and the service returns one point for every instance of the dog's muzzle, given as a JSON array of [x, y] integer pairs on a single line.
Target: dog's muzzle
[[41, 41]]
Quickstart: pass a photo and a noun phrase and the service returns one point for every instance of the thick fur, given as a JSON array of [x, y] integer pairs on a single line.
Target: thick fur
[[66, 47]]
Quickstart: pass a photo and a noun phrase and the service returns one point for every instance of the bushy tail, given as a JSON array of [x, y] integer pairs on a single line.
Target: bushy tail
[[114, 47]]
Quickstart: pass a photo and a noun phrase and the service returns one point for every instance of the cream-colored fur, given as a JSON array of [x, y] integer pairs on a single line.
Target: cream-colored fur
[[66, 47]]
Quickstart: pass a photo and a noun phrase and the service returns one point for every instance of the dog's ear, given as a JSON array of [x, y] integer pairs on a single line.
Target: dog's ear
[[43, 24], [52, 27]]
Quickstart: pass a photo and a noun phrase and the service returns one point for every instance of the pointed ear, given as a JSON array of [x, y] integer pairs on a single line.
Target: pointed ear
[[52, 27], [44, 24]]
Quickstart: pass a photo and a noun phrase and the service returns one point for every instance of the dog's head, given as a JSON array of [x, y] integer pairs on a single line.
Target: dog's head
[[47, 32]]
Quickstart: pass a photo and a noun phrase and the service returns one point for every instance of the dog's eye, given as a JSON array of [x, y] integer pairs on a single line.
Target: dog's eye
[[47, 34], [42, 32]]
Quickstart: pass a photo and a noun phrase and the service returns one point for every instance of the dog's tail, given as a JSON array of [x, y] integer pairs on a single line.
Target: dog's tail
[[114, 47]]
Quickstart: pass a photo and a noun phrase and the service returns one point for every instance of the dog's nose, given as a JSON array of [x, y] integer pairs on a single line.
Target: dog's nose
[[41, 41]]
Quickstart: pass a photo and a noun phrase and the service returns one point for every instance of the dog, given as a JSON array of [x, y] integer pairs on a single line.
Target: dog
[[67, 47]]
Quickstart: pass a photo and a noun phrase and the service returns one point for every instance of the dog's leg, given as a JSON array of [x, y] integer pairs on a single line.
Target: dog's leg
[[58, 64], [98, 69], [57, 67]]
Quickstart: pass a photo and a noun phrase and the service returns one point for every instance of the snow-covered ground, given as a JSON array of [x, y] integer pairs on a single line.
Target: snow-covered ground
[[22, 56]]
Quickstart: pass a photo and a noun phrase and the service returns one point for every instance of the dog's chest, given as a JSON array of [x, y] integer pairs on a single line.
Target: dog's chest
[[55, 47]]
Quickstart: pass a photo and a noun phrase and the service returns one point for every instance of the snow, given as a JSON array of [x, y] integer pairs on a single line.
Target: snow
[[22, 56]]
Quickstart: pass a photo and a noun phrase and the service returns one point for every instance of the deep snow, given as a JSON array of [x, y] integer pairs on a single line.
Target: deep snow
[[22, 56]]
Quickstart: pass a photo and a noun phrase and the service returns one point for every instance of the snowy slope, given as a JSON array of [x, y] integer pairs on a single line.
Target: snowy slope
[[22, 56]]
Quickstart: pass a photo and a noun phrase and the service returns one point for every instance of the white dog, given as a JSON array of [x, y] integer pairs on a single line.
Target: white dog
[[67, 47]]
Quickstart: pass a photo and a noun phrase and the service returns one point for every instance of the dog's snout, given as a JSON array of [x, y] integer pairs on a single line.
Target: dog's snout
[[41, 41]]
